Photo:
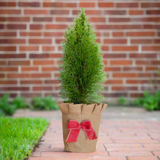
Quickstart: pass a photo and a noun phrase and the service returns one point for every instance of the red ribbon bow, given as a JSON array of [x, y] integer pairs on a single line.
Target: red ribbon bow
[[74, 128]]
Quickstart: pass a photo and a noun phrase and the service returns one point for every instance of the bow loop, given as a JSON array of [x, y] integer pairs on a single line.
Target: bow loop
[[72, 124], [74, 130]]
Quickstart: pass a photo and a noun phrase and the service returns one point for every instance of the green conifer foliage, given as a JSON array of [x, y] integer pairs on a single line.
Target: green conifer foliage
[[81, 73]]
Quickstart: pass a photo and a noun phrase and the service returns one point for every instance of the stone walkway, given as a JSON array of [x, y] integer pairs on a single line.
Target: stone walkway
[[125, 134]]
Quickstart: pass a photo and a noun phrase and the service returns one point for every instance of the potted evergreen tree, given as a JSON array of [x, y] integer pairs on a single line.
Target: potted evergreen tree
[[81, 77]]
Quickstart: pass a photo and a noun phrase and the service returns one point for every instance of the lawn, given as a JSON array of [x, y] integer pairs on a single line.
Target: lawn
[[18, 136]]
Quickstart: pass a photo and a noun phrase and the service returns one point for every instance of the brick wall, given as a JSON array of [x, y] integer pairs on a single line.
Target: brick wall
[[30, 44]]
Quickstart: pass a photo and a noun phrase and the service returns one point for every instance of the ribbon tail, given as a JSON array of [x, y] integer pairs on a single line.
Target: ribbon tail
[[90, 134], [73, 135]]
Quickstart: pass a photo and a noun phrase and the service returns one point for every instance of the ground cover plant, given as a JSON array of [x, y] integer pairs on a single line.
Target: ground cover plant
[[149, 101], [19, 135], [44, 103]]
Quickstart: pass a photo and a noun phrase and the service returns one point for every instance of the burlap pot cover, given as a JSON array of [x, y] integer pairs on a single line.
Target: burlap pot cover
[[81, 112]]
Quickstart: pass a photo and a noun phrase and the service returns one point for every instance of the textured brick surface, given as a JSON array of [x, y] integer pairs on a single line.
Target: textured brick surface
[[145, 146], [126, 133], [30, 44]]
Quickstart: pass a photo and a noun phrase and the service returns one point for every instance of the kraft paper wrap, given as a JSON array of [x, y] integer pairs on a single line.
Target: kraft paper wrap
[[81, 112]]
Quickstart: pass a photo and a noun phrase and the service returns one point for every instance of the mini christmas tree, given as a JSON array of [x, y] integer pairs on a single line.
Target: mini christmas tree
[[81, 73]]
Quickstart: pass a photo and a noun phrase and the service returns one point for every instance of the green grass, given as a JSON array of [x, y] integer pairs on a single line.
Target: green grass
[[19, 135]]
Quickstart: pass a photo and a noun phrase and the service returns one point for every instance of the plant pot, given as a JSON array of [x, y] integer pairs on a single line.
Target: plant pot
[[80, 113]]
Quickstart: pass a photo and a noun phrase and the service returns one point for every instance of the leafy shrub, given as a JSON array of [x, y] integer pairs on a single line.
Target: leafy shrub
[[122, 100], [149, 101], [44, 103], [6, 107], [19, 102], [82, 70]]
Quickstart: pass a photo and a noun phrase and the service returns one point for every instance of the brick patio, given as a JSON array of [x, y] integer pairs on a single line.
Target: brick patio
[[121, 137]]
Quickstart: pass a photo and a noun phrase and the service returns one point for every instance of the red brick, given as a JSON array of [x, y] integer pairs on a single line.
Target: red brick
[[97, 19], [49, 69], [2, 63], [142, 62], [153, 12], [155, 62], [54, 34], [45, 55], [7, 48], [18, 19], [125, 75], [56, 55], [17, 63], [150, 48], [8, 34], [64, 19], [8, 69], [2, 75], [29, 4], [7, 4], [87, 5], [30, 34], [15, 88], [135, 12], [105, 48], [143, 34], [18, 75], [151, 68], [112, 27], [143, 158], [107, 69], [141, 41], [136, 81], [48, 48], [127, 5], [108, 55], [36, 26], [42, 19], [1, 26], [139, 56], [31, 82], [28, 69], [124, 48], [115, 12], [35, 12], [120, 19], [59, 41], [16, 26], [8, 82], [41, 75], [121, 88], [10, 11], [59, 4], [51, 82], [40, 41], [121, 62], [4, 56], [132, 68], [56, 26], [88, 12], [42, 88], [117, 34], [115, 41], [150, 5], [105, 5], [59, 12], [43, 62], [29, 48], [12, 41]]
